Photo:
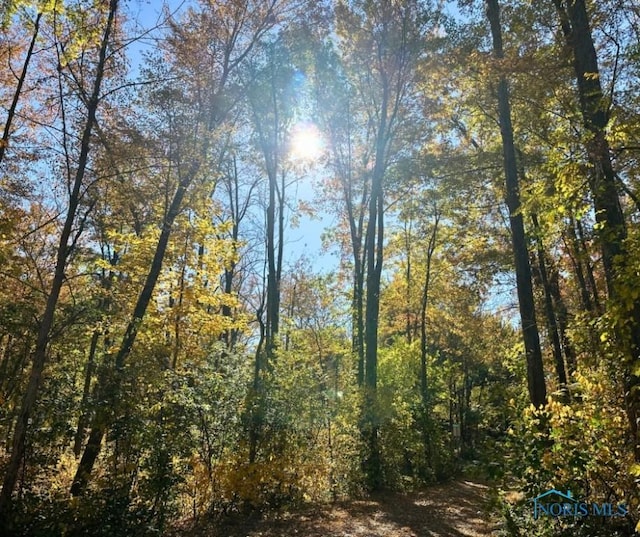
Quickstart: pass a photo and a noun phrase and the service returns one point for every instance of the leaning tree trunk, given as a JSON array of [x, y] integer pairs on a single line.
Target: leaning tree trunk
[[11, 114], [111, 391], [535, 370]]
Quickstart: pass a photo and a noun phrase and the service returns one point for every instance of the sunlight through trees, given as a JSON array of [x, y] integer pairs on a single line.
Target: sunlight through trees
[[172, 353]]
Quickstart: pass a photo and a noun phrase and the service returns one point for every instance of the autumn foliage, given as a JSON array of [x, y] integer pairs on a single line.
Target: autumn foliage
[[179, 342]]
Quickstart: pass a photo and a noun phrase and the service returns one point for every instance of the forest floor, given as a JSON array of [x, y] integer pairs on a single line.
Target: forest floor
[[456, 509]]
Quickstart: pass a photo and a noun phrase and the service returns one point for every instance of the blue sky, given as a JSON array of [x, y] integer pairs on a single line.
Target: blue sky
[[303, 240]]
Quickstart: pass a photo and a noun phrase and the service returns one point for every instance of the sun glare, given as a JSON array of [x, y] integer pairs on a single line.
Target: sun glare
[[306, 142]]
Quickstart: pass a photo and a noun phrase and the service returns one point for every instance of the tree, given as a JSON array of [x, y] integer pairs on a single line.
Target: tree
[[535, 368], [340, 118], [384, 39], [11, 112], [271, 103]]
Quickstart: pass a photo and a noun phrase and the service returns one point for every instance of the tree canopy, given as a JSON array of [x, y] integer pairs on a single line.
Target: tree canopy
[[169, 349]]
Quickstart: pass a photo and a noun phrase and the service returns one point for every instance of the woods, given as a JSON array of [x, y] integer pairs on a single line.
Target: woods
[[256, 255]]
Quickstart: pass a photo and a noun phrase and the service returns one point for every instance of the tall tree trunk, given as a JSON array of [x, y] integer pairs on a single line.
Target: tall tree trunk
[[358, 316], [237, 214], [63, 252], [424, 379], [270, 143], [595, 114], [111, 392], [423, 314], [256, 407], [374, 253], [290, 312], [594, 106], [275, 224], [355, 218], [535, 369], [273, 291], [374, 243]]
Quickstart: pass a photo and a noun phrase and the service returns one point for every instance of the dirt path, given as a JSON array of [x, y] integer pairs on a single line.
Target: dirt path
[[457, 509]]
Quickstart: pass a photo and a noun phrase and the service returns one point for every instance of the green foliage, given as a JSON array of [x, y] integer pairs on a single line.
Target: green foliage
[[308, 443], [416, 443]]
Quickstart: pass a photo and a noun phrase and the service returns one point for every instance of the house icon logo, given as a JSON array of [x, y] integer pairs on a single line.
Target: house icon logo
[[555, 503]]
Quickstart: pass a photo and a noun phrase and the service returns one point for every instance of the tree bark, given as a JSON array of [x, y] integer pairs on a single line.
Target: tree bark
[[535, 369]]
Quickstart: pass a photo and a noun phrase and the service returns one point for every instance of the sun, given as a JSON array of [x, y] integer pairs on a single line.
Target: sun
[[306, 142]]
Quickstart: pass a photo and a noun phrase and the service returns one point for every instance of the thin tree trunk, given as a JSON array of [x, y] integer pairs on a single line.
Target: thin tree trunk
[[571, 242], [535, 369], [272, 281], [177, 344], [424, 380], [271, 150], [229, 336], [4, 142], [4, 356], [290, 311], [586, 256], [63, 252], [408, 281], [562, 316], [82, 420], [255, 396], [552, 322], [358, 317], [423, 315]]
